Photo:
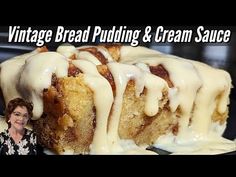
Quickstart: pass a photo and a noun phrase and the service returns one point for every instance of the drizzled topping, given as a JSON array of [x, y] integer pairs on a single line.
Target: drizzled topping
[[67, 50], [10, 73], [191, 90], [103, 99], [183, 76], [36, 75]]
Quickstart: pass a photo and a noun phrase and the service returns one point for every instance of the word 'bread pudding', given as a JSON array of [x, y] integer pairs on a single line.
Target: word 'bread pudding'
[[114, 99]]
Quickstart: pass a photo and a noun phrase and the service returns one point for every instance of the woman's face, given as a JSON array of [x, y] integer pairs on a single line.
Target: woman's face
[[19, 118]]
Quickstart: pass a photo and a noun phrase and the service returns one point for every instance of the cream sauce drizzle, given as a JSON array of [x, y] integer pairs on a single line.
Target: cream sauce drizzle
[[84, 55], [10, 73], [103, 99], [182, 73], [205, 103], [36, 75], [122, 74], [211, 143], [67, 50], [155, 86], [194, 84]]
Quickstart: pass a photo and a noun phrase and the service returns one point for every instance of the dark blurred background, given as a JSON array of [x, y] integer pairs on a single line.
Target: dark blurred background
[[221, 55]]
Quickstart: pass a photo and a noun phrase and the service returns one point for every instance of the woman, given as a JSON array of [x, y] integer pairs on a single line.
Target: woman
[[17, 140]]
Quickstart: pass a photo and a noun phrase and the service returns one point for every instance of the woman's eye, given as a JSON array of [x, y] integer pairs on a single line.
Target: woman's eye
[[17, 114]]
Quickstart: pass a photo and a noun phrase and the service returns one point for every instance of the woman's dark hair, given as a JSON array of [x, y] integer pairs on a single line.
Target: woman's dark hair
[[14, 103]]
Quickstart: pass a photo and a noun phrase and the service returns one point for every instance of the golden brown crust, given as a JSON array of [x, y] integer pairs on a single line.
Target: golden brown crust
[[68, 121]]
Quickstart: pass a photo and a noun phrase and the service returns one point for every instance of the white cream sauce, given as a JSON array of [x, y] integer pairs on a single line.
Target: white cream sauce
[[209, 144], [103, 99], [10, 73], [36, 75], [67, 50]]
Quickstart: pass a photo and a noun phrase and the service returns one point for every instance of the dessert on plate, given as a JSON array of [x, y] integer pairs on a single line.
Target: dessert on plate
[[117, 99]]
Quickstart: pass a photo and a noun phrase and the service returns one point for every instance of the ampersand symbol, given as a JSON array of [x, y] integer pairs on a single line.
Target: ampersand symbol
[[147, 36]]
